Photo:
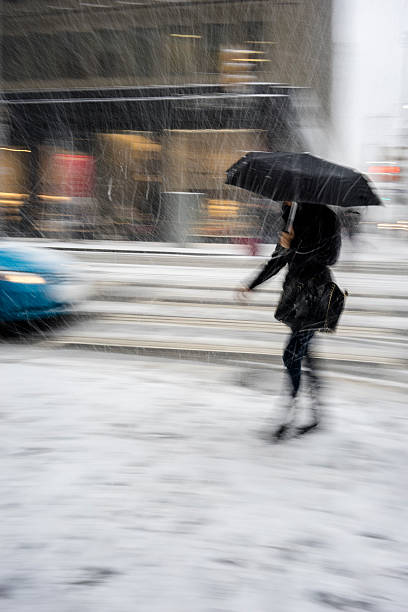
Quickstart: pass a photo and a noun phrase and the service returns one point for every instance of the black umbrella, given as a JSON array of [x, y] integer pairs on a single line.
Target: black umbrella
[[301, 177]]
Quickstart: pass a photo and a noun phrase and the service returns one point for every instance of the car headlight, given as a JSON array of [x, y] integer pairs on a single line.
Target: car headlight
[[26, 278]]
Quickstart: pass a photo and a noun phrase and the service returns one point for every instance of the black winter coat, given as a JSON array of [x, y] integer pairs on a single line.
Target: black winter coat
[[315, 246]]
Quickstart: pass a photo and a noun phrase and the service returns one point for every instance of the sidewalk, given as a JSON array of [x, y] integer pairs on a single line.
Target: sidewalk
[[368, 248]]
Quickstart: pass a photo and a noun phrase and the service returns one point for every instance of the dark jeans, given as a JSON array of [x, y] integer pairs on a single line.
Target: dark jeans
[[297, 349]]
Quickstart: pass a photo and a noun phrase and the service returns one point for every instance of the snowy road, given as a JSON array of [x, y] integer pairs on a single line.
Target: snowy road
[[148, 485], [151, 485]]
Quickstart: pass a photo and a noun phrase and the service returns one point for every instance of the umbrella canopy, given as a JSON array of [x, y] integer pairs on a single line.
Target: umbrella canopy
[[301, 177]]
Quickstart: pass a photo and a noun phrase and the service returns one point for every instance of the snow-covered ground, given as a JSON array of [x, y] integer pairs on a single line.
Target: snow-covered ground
[[133, 485]]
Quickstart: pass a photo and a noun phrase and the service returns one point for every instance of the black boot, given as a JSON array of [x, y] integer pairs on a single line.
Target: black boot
[[314, 390], [286, 429], [283, 431], [302, 429]]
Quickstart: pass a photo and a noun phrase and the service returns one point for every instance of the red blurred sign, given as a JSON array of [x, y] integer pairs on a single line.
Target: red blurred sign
[[73, 175], [384, 169]]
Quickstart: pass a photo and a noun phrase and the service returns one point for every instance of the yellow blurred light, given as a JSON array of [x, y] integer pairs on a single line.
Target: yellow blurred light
[[185, 36], [25, 278], [223, 207], [227, 202], [146, 147], [248, 59], [5, 194], [136, 141], [15, 150], [14, 202], [58, 198], [392, 226]]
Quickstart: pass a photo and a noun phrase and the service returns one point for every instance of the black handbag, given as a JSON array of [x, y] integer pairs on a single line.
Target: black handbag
[[315, 304]]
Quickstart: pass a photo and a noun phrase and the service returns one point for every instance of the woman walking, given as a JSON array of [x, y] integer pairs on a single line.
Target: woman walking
[[310, 246]]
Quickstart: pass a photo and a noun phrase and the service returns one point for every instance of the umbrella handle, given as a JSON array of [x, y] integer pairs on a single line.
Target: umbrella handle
[[292, 214]]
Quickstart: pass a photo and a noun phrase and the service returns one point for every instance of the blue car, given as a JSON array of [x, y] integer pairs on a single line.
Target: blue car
[[37, 283]]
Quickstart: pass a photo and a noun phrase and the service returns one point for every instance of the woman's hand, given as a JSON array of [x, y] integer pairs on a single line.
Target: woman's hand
[[286, 239]]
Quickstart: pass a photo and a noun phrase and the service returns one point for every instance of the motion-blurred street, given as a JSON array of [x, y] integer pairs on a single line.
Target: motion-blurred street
[[156, 454], [124, 472], [154, 481], [181, 303]]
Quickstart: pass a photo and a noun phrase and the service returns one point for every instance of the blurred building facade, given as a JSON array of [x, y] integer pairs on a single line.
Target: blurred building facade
[[111, 105], [67, 44]]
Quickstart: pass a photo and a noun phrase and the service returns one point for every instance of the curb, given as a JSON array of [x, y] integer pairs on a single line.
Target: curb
[[373, 370]]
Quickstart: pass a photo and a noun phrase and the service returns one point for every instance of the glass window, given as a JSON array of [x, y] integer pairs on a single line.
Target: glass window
[[71, 51], [28, 57]]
